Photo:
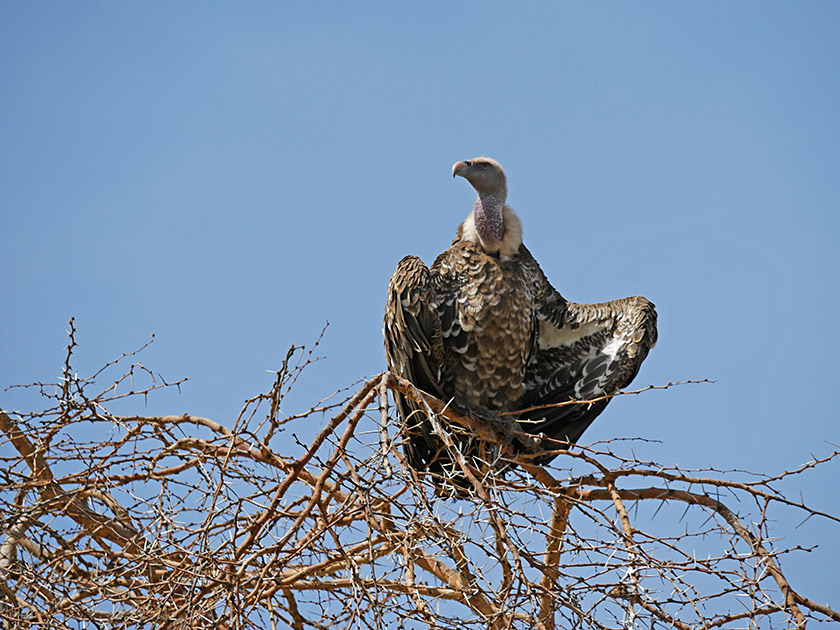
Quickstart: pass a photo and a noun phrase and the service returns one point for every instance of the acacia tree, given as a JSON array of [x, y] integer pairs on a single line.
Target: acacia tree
[[114, 521]]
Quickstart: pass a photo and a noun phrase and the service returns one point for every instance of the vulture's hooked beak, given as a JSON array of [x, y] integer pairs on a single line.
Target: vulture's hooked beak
[[459, 168]]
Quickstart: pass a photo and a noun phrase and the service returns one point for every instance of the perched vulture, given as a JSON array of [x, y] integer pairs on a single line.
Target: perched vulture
[[483, 330]]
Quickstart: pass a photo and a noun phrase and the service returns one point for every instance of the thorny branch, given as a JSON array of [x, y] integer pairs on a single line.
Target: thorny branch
[[182, 521]]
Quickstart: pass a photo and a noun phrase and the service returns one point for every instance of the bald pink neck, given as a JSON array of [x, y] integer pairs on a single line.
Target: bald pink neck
[[489, 222]]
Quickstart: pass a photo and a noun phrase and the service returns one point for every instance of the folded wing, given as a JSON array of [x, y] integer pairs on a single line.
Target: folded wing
[[414, 350]]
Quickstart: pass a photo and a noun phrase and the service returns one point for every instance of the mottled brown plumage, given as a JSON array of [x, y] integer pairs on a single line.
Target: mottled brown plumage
[[485, 329]]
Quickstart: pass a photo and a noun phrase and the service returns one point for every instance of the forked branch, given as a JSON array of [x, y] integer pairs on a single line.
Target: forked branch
[[181, 521]]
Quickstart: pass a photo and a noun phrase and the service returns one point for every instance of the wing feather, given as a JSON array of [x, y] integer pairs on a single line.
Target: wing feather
[[584, 352], [598, 350], [414, 350]]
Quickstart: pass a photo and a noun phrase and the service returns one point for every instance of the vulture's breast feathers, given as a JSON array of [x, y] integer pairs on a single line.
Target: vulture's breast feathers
[[487, 314]]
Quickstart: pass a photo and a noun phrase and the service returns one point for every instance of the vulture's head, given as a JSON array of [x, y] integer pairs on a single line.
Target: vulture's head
[[485, 174]]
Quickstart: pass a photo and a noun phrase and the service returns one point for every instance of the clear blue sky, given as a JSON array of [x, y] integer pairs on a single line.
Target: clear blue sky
[[231, 176]]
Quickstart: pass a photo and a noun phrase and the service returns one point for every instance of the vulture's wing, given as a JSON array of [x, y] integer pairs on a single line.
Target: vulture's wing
[[585, 351], [414, 350]]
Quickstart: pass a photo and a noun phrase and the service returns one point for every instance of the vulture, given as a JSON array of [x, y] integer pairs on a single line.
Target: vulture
[[484, 331]]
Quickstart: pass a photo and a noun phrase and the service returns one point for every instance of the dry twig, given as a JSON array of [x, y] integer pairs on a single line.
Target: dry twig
[[184, 522]]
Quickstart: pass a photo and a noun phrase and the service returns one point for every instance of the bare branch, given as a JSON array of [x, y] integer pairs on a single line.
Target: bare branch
[[181, 521]]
